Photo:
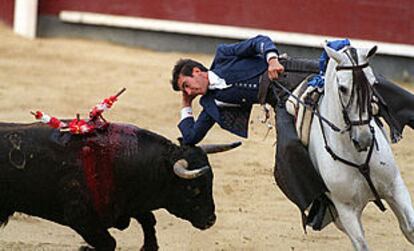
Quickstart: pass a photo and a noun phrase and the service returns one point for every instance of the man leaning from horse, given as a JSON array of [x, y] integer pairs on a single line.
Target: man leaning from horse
[[239, 77]]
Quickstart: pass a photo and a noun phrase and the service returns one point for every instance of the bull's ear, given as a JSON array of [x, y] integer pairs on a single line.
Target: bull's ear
[[180, 140]]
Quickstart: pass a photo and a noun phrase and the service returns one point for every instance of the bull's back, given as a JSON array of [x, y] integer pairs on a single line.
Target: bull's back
[[42, 169]]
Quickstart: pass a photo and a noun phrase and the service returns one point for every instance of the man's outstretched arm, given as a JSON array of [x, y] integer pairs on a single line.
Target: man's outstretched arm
[[191, 130], [259, 45], [253, 47]]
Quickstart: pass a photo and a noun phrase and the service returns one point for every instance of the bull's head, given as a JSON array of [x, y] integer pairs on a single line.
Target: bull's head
[[192, 198]]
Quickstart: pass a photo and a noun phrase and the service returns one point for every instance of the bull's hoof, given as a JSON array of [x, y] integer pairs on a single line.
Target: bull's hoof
[[149, 247], [86, 248]]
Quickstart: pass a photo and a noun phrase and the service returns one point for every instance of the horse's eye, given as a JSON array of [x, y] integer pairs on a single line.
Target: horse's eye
[[343, 89]]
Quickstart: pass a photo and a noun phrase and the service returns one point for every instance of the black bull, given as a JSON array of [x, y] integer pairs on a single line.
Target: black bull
[[91, 183]]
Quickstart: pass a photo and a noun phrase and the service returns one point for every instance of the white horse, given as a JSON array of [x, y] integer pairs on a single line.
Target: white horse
[[346, 103]]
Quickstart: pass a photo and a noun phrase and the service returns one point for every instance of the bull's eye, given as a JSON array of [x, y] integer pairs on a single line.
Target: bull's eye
[[193, 191], [196, 191], [196, 208]]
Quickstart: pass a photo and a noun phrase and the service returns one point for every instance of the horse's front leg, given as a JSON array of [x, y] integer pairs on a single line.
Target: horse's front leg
[[400, 202], [350, 224], [148, 221]]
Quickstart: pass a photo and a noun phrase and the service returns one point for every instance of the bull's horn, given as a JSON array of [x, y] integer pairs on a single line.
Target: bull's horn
[[216, 148], [180, 169]]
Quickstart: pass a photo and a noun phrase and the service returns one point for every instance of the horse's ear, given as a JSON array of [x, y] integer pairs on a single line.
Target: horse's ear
[[372, 51], [337, 56]]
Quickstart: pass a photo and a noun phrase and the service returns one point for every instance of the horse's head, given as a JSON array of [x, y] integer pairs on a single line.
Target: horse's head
[[351, 77]]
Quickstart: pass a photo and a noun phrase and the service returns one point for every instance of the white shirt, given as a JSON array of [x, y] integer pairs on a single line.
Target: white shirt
[[215, 82]]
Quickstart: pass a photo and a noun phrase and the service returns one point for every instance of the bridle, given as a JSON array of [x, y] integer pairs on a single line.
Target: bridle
[[361, 88], [364, 100]]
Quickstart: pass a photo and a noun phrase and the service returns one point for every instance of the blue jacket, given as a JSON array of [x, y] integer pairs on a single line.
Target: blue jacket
[[238, 64]]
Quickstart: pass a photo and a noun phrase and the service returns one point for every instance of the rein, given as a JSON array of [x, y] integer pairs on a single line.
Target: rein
[[315, 111], [363, 168], [310, 107]]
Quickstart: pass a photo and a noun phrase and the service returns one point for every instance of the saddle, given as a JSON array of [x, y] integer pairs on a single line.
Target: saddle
[[303, 115], [296, 70]]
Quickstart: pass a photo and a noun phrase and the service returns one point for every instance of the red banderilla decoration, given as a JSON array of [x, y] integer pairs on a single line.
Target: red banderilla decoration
[[51, 121], [106, 104], [77, 125], [80, 126]]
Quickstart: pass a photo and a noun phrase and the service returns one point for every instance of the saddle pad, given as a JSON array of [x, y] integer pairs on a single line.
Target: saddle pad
[[303, 116]]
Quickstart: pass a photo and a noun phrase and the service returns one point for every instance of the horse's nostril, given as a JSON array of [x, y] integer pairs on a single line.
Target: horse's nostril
[[357, 145], [360, 147], [355, 142]]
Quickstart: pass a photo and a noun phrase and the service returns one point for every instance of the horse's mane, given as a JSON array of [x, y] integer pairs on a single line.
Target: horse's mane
[[361, 85], [363, 90]]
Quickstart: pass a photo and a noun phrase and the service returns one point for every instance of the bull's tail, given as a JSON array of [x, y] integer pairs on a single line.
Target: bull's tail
[[4, 217], [6, 203], [3, 222]]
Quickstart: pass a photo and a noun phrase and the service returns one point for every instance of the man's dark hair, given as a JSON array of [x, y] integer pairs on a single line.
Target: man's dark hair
[[184, 67]]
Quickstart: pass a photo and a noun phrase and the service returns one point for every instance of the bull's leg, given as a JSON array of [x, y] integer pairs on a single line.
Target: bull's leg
[[350, 224], [148, 221], [86, 223], [98, 238], [400, 203]]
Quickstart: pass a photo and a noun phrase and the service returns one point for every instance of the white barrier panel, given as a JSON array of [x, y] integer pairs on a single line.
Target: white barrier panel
[[25, 18], [223, 31]]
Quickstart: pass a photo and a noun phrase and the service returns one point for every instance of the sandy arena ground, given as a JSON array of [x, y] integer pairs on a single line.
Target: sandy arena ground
[[64, 76]]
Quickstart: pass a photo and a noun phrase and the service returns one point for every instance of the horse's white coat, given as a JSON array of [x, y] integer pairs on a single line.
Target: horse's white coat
[[349, 190]]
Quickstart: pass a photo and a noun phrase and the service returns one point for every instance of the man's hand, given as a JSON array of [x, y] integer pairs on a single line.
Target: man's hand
[[274, 69], [187, 99]]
